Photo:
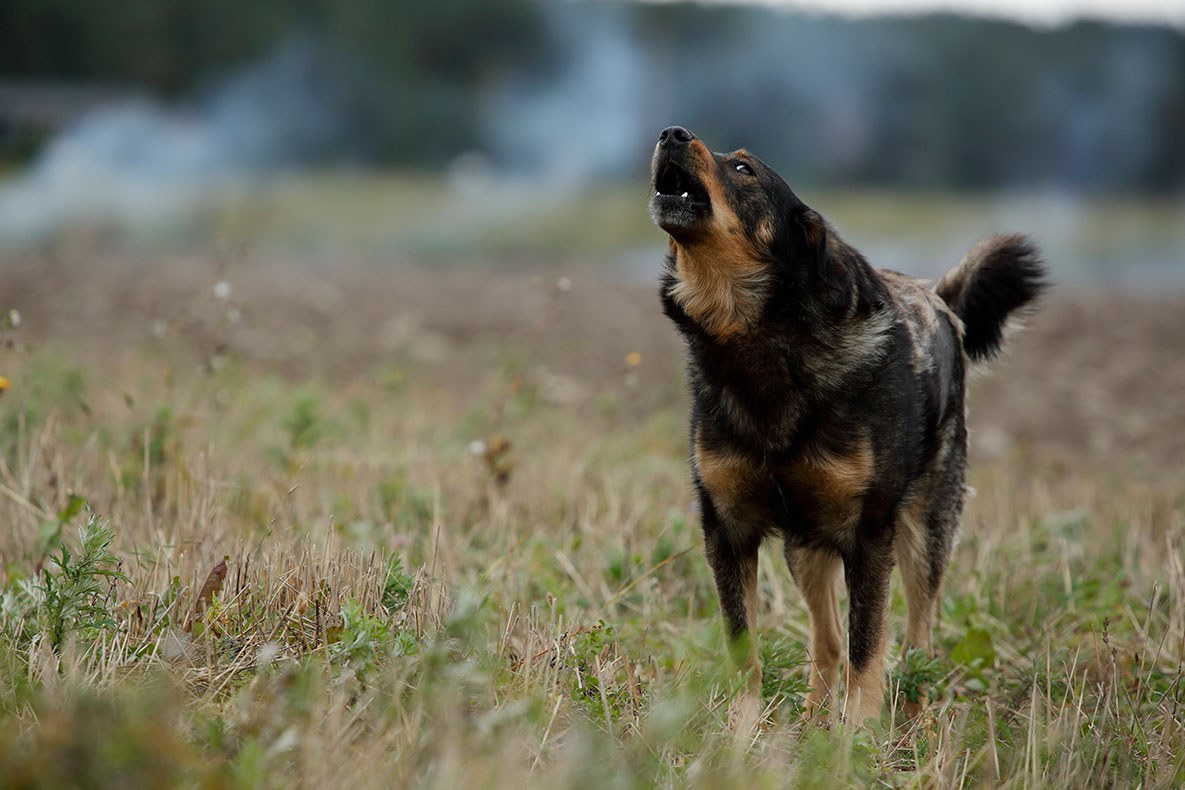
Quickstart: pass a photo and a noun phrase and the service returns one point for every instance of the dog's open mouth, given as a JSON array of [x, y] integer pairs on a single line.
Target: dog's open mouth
[[673, 181], [680, 202]]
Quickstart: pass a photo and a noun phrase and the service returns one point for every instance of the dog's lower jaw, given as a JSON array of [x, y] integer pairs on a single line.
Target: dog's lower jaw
[[682, 219]]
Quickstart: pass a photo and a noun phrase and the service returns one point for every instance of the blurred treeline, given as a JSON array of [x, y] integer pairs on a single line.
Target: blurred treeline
[[409, 69], [577, 89]]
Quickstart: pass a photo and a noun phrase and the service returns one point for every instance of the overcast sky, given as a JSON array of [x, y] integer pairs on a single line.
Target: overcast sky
[[1035, 12]]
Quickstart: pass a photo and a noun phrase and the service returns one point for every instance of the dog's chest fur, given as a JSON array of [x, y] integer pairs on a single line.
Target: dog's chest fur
[[819, 494], [770, 447], [767, 392]]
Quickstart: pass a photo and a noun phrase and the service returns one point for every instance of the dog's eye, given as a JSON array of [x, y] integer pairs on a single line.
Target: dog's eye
[[744, 168]]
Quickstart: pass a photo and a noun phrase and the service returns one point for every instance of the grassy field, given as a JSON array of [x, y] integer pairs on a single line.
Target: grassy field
[[274, 525]]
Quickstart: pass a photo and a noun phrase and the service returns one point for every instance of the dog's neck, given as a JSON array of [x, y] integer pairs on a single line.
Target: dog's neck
[[721, 286]]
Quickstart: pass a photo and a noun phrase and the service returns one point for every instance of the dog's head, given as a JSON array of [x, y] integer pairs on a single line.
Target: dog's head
[[733, 210]]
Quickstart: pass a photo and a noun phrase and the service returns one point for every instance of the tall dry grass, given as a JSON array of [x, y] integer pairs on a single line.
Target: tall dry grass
[[460, 548]]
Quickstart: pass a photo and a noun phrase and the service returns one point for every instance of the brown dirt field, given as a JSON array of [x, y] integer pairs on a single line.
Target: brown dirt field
[[1095, 380]]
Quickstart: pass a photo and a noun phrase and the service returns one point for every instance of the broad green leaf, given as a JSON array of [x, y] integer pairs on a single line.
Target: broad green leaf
[[976, 644]]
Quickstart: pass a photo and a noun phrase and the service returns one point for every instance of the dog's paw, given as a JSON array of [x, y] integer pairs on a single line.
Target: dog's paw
[[745, 715], [914, 711], [817, 709]]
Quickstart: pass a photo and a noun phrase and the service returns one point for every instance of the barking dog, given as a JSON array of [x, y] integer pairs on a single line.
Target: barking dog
[[827, 403]]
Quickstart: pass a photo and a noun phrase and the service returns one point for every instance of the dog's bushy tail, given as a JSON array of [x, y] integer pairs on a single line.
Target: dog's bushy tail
[[999, 276]]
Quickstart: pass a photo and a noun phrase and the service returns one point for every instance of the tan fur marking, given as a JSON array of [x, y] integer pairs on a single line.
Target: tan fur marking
[[835, 483], [765, 232], [752, 663], [910, 549], [844, 477], [816, 574], [721, 274], [727, 476], [866, 689]]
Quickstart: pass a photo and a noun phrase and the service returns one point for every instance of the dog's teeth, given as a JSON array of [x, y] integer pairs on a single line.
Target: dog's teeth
[[656, 194], [684, 195]]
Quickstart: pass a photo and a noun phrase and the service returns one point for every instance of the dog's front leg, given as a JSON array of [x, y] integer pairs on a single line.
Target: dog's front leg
[[732, 555], [866, 571], [816, 573]]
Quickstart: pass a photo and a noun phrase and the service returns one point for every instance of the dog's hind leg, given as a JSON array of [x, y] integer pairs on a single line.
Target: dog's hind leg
[[816, 573], [913, 548], [733, 561], [924, 541]]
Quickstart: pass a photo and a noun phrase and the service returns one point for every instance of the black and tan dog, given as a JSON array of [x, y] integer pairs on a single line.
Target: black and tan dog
[[827, 403]]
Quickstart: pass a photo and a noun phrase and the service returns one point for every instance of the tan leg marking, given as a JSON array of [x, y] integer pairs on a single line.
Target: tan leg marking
[[914, 562], [816, 573], [751, 662], [866, 688]]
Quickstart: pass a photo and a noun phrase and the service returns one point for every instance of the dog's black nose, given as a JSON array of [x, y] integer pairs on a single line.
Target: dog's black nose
[[674, 136]]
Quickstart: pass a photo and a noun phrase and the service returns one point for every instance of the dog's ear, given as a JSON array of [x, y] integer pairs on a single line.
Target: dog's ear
[[814, 248]]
